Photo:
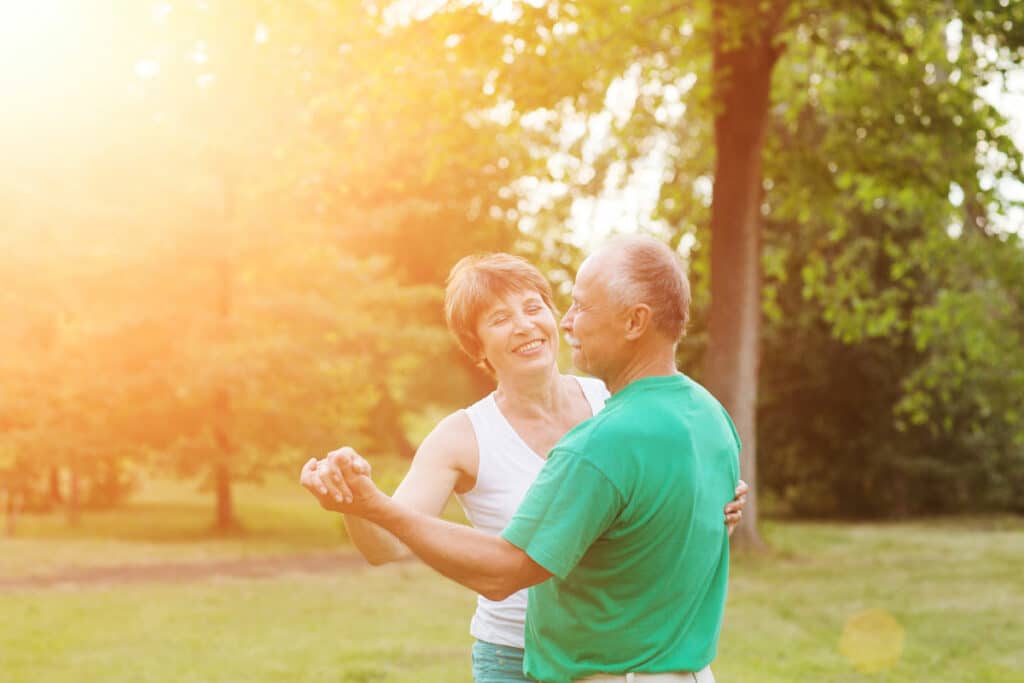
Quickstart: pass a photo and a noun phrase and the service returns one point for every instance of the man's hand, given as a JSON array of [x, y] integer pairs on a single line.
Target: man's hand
[[341, 482], [734, 510]]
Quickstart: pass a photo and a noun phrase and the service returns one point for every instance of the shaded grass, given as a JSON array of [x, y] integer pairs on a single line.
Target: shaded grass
[[172, 521]]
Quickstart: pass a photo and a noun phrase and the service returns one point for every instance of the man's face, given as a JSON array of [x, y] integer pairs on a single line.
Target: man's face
[[595, 324]]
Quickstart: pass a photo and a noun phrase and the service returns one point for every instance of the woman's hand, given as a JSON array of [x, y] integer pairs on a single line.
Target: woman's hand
[[734, 510]]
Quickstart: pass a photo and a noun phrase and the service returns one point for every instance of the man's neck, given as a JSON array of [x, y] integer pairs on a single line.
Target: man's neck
[[654, 361]]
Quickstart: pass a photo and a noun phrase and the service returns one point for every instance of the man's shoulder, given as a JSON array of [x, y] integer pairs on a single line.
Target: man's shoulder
[[687, 394], [678, 406], [701, 391], [601, 433]]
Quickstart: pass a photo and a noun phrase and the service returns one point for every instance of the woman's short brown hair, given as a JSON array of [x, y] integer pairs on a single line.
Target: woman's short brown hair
[[475, 282]]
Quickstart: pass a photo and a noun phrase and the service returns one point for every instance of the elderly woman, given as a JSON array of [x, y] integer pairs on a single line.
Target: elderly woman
[[500, 309]]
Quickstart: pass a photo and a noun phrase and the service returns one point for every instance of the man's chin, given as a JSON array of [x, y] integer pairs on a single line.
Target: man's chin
[[579, 361]]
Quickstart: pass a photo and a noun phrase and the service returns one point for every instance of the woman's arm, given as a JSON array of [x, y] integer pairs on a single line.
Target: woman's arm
[[447, 458]]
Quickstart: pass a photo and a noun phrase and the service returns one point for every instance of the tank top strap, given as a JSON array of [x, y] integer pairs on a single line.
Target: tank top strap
[[487, 421], [595, 391]]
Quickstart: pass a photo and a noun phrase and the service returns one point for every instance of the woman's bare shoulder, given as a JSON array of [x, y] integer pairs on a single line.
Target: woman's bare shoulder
[[452, 443]]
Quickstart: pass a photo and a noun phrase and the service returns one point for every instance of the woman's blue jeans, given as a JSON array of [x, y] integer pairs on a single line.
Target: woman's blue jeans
[[497, 663]]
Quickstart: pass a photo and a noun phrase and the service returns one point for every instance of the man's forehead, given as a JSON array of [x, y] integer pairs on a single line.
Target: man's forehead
[[593, 269]]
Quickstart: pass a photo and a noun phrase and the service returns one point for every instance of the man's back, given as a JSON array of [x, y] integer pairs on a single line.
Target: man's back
[[627, 516]]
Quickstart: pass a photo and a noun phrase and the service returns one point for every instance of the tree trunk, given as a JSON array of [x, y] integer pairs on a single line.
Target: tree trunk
[[222, 424], [56, 497], [742, 61], [11, 513], [74, 502], [225, 507]]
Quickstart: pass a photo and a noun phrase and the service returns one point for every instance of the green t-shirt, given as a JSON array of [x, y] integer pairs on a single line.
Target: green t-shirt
[[627, 516]]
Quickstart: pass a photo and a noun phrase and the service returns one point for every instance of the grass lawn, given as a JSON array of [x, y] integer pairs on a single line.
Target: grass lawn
[[951, 592], [400, 624], [935, 601], [170, 521]]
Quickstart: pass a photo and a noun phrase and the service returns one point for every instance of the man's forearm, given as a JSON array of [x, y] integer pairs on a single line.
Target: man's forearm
[[486, 564]]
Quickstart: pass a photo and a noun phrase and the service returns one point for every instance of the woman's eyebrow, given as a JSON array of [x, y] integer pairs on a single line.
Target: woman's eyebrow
[[496, 311]]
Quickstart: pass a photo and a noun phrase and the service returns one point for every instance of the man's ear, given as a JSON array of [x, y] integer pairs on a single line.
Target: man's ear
[[638, 319]]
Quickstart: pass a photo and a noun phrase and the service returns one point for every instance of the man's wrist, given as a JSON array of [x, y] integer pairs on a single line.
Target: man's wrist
[[380, 511]]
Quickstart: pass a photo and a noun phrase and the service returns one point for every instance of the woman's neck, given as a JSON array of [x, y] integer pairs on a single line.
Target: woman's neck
[[544, 394]]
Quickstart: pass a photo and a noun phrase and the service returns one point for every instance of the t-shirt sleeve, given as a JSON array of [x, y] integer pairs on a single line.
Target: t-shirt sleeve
[[736, 441], [732, 428], [567, 508]]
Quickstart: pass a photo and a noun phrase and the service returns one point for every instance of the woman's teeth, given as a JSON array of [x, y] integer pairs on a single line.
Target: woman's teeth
[[529, 346]]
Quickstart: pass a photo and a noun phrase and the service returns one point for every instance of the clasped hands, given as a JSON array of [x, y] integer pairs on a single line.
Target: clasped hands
[[341, 482]]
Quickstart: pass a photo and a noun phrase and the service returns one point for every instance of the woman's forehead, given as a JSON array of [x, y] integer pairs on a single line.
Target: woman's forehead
[[509, 297]]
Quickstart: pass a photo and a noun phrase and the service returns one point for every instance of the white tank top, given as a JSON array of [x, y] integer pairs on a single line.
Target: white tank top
[[507, 469]]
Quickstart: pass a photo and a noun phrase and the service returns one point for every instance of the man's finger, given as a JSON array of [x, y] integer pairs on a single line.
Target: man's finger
[[335, 487], [306, 469], [310, 466], [308, 477], [317, 481], [342, 455], [352, 469], [361, 466]]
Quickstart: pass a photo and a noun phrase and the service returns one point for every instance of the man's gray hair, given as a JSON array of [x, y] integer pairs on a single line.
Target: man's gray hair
[[651, 273]]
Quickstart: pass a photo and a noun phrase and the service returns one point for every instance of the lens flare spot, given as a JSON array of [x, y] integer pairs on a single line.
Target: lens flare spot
[[872, 640]]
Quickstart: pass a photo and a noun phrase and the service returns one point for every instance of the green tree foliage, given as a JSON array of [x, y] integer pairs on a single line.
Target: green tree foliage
[[892, 316], [883, 247]]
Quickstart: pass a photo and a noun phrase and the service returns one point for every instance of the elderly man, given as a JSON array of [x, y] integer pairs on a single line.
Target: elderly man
[[620, 537]]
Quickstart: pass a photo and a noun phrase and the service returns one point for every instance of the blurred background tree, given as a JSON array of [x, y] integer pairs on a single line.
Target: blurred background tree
[[845, 162], [227, 226], [245, 210]]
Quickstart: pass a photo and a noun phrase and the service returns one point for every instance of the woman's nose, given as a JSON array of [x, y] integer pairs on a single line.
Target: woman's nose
[[521, 321]]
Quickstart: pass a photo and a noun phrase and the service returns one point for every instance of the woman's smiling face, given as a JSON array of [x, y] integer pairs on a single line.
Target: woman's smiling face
[[518, 332]]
